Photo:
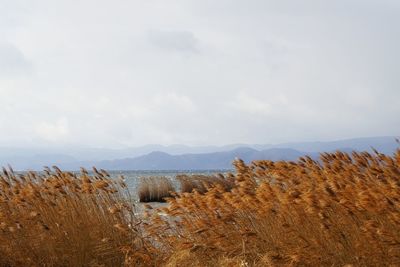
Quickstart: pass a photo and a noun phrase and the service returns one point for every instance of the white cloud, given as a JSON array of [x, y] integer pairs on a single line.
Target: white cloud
[[172, 100], [249, 104], [180, 41], [12, 61], [53, 132], [135, 72]]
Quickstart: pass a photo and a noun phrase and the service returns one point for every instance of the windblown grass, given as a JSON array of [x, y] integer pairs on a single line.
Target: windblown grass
[[62, 219], [155, 189], [201, 183], [343, 210]]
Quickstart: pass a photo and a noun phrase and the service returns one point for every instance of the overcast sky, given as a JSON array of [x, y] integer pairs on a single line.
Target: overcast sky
[[127, 73]]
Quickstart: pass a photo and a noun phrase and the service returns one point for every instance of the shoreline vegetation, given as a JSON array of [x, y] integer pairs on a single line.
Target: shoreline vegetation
[[342, 210]]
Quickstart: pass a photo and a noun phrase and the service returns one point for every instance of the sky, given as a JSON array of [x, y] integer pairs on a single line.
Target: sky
[[127, 73]]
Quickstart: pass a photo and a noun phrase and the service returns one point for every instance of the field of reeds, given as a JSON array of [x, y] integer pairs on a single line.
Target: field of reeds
[[342, 210], [155, 189]]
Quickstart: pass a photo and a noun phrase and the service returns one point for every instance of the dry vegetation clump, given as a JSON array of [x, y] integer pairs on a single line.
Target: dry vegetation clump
[[201, 183], [64, 219], [155, 189], [341, 210]]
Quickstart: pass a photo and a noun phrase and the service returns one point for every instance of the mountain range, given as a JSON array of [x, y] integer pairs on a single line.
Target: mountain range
[[181, 157]]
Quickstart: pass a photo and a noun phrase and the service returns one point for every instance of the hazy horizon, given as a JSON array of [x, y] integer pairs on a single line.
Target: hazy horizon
[[129, 73], [55, 146], [180, 157]]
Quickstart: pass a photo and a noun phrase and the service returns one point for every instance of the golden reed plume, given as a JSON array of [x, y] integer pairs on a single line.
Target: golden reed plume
[[340, 210]]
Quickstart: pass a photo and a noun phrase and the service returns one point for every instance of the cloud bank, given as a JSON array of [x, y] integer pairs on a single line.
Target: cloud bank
[[128, 73]]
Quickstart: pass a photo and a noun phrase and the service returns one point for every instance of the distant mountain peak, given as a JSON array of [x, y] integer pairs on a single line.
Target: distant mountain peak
[[181, 156]]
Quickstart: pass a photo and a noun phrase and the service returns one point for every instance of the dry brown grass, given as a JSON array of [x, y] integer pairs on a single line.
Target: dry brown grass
[[201, 183], [343, 210], [155, 189], [62, 219]]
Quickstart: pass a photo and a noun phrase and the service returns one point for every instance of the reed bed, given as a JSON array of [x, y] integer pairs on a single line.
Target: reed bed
[[201, 183], [343, 210], [155, 189], [64, 219]]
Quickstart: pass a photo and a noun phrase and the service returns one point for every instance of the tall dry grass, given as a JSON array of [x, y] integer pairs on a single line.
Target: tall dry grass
[[341, 210], [201, 183], [65, 219], [155, 189]]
